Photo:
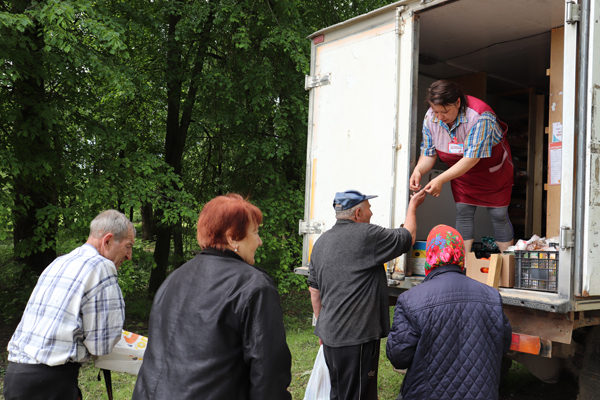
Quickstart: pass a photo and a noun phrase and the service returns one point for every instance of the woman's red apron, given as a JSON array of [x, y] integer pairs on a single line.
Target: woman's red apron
[[489, 183]]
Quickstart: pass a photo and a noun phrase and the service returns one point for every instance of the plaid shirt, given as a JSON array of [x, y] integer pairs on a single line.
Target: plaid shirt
[[75, 310], [484, 135]]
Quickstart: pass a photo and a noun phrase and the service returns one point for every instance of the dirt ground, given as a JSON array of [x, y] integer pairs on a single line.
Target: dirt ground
[[566, 389]]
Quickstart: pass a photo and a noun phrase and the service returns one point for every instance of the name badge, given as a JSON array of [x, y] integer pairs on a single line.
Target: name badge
[[455, 148]]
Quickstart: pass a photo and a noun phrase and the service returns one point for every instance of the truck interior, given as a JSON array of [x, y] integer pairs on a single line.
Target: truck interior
[[509, 55]]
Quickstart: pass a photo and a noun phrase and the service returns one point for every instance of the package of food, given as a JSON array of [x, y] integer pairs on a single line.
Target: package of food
[[127, 355], [418, 258]]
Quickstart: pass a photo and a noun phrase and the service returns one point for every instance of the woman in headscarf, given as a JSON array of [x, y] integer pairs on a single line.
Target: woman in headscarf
[[216, 326], [450, 331]]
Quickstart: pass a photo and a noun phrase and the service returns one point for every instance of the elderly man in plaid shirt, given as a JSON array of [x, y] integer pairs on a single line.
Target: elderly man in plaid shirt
[[76, 310]]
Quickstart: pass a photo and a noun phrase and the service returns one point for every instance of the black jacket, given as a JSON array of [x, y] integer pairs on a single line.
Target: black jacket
[[450, 332], [216, 332]]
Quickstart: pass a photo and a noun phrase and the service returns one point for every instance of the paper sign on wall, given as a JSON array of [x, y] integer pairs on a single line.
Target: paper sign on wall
[[555, 161], [557, 132]]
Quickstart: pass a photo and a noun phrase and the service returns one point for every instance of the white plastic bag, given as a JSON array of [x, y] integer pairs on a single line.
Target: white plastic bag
[[127, 355], [319, 386]]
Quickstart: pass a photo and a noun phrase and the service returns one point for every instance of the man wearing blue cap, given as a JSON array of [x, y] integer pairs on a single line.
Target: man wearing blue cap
[[348, 289]]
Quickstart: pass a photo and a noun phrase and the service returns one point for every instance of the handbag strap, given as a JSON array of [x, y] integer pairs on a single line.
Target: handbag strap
[[108, 382]]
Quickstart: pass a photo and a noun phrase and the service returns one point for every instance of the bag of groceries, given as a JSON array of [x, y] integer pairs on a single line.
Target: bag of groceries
[[127, 355], [319, 385]]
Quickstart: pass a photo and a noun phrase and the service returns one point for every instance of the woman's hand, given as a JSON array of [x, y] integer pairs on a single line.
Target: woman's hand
[[434, 187], [423, 166], [415, 180]]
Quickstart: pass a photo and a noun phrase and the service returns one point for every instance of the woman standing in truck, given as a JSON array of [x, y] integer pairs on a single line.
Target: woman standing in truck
[[464, 132]]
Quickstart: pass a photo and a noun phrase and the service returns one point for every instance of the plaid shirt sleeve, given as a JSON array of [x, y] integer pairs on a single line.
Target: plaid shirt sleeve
[[427, 148], [483, 136], [103, 314]]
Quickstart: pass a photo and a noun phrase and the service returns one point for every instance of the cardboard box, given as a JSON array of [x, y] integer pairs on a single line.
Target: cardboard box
[[418, 258], [477, 269], [126, 356]]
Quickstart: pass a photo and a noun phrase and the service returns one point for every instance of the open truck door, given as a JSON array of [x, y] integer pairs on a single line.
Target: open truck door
[[588, 235], [359, 144]]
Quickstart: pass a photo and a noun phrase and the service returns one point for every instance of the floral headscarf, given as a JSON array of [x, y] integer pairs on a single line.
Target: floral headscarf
[[444, 247]]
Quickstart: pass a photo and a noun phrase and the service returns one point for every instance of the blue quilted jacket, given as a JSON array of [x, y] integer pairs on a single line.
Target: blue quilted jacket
[[450, 332]]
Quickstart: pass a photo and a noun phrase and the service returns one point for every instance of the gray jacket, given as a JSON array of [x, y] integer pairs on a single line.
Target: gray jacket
[[347, 268]]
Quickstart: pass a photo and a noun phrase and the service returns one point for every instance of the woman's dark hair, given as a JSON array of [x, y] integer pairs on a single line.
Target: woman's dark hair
[[226, 214], [443, 93]]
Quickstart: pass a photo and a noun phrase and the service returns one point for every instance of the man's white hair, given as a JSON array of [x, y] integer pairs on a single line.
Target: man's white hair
[[111, 221], [349, 213]]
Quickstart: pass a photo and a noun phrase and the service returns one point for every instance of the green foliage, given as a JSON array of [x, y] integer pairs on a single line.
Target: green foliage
[[84, 114], [133, 276], [282, 245], [15, 288]]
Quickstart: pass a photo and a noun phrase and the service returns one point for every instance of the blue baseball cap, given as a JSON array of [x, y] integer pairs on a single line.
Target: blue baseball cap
[[348, 199]]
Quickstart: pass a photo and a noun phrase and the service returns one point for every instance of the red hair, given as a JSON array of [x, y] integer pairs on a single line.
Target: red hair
[[226, 214]]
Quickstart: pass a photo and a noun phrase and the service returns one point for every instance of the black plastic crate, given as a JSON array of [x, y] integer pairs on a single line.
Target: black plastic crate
[[481, 251], [536, 270]]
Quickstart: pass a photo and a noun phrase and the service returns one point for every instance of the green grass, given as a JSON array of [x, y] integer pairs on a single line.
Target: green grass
[[302, 342], [303, 345]]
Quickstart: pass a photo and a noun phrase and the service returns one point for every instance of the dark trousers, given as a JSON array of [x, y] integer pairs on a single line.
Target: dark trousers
[[41, 382], [353, 371]]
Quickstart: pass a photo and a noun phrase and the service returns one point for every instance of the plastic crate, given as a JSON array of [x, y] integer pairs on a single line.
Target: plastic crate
[[536, 270]]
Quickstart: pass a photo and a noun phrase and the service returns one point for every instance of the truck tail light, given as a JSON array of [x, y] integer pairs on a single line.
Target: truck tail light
[[525, 343]]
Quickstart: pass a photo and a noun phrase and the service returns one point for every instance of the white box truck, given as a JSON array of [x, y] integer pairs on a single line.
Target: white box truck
[[537, 63]]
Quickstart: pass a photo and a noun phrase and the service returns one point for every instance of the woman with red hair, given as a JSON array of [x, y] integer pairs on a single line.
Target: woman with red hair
[[216, 326]]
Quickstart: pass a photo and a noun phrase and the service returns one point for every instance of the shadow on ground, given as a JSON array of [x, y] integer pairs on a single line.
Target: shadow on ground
[[521, 385]]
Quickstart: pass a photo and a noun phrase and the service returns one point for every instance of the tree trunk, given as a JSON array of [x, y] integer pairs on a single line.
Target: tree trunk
[[34, 147], [177, 128], [25, 225], [148, 222], [174, 84], [178, 258], [161, 256]]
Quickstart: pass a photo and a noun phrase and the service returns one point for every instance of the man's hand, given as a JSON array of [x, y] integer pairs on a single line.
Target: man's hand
[[410, 222], [416, 199]]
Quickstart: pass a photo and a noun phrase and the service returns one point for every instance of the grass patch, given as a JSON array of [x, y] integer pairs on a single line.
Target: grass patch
[[301, 340], [304, 346]]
